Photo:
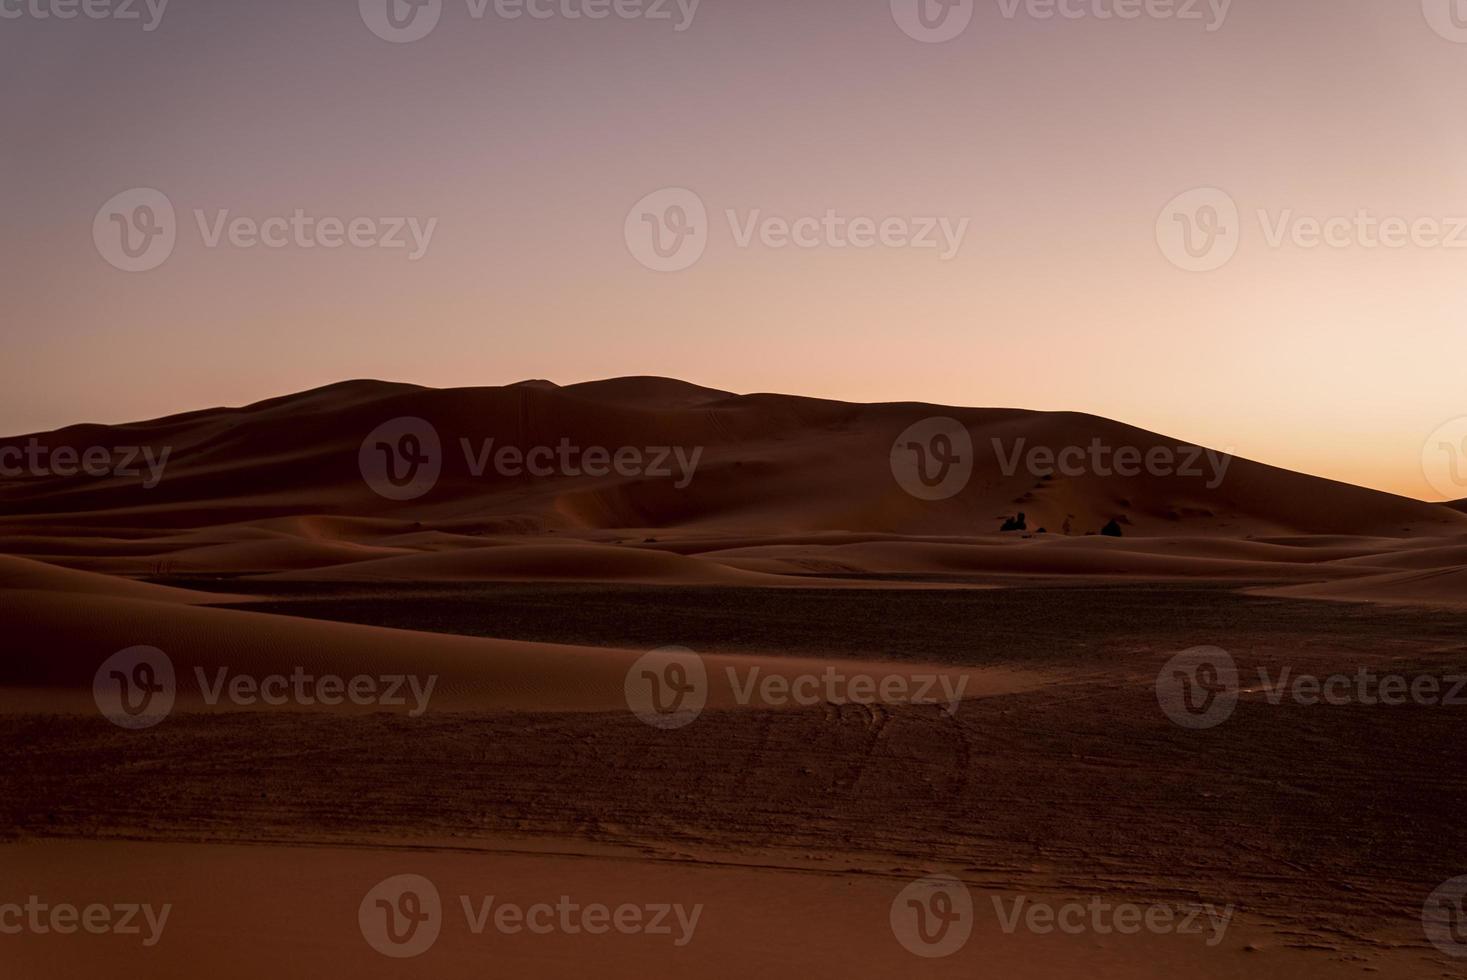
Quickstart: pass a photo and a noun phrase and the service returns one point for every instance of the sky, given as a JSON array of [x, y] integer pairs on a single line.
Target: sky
[[1240, 224]]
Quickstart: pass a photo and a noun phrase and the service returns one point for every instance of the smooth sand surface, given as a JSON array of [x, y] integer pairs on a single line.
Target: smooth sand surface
[[1445, 587], [57, 641]]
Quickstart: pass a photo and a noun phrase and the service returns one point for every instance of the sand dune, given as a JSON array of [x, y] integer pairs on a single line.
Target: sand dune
[[768, 463], [25, 575], [1444, 587], [556, 562], [39, 674], [233, 558], [1435, 556], [786, 491], [1059, 556], [523, 610]]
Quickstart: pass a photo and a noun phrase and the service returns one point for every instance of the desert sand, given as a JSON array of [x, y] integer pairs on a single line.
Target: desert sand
[[791, 552]]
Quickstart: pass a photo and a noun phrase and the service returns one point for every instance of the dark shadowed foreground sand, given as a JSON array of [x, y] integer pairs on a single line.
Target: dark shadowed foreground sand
[[1323, 828]]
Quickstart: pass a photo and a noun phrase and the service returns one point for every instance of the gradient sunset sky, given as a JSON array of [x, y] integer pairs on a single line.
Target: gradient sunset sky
[[1060, 140]]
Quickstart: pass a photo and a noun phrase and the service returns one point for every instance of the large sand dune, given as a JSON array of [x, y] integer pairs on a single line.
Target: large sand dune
[[785, 490], [767, 463]]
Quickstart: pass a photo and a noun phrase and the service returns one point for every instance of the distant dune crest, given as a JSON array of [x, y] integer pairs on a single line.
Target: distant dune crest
[[536, 456]]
